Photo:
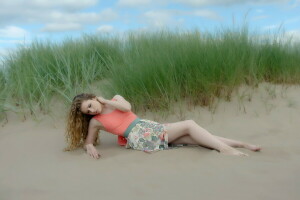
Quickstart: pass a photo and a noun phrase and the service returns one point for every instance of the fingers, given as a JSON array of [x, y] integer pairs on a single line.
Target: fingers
[[94, 154], [101, 99], [97, 156], [92, 151], [98, 100]]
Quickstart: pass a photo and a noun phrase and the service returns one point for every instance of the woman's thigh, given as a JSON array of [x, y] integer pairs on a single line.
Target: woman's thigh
[[177, 129], [186, 139]]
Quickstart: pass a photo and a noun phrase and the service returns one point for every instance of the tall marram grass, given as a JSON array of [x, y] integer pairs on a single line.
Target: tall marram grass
[[2, 93], [150, 69], [43, 69], [165, 66]]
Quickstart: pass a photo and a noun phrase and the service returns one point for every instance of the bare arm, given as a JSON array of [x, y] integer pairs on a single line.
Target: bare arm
[[92, 134], [120, 104]]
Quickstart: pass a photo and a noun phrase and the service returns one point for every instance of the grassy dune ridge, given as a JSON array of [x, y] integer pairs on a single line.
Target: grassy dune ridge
[[166, 66], [163, 66]]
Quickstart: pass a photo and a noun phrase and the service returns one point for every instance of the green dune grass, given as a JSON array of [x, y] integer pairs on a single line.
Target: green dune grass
[[2, 94], [150, 69]]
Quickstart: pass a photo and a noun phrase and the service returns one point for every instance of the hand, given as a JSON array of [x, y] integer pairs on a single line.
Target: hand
[[102, 100], [92, 151]]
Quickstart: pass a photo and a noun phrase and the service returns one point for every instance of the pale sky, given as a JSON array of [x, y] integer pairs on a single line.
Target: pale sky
[[22, 21]]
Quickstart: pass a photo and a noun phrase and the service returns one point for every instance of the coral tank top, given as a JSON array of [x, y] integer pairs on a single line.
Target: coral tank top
[[117, 121]]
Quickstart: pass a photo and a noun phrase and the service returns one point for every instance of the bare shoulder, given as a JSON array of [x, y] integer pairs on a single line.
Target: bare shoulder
[[96, 124]]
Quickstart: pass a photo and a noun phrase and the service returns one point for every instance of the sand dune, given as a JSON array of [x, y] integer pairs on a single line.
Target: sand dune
[[33, 165]]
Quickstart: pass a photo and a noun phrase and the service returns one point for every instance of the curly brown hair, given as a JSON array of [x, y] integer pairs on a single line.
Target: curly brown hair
[[77, 123]]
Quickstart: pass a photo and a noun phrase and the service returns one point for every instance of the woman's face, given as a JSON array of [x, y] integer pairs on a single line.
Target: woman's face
[[91, 107]]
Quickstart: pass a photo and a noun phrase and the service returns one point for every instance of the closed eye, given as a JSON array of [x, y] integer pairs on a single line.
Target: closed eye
[[89, 107]]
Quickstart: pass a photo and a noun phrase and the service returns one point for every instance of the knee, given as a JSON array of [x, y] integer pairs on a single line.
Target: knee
[[190, 123]]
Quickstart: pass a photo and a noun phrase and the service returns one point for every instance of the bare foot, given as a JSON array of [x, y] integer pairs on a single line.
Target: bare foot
[[232, 151], [252, 147]]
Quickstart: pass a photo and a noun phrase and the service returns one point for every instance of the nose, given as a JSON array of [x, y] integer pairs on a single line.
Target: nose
[[92, 110]]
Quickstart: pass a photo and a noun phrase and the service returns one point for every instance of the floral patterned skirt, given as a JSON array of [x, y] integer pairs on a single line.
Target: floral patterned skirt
[[148, 136]]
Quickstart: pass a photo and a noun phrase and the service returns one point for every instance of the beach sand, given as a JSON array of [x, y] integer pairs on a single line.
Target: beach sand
[[33, 165]]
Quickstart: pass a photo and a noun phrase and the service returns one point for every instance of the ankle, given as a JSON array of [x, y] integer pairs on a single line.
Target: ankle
[[242, 145], [224, 147]]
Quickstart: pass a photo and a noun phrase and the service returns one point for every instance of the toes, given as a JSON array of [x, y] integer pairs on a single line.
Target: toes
[[253, 147], [257, 148]]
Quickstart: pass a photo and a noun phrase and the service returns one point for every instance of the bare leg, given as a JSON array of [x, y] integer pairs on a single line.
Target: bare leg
[[203, 137], [233, 143], [200, 135], [239, 144]]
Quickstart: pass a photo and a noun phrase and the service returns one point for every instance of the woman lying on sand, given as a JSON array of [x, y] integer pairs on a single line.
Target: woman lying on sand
[[89, 114]]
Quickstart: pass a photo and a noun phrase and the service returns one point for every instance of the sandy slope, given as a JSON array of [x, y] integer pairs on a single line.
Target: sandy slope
[[33, 165]]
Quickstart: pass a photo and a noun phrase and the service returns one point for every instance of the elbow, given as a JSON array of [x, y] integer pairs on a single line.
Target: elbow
[[125, 107], [128, 108]]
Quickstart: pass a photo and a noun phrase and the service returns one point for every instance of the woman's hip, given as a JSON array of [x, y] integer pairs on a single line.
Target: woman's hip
[[147, 136]]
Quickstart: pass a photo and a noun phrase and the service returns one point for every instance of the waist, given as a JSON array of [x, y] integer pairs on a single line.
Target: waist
[[130, 127]]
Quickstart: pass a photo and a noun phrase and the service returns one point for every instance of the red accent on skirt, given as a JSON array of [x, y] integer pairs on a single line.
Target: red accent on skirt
[[122, 141]]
